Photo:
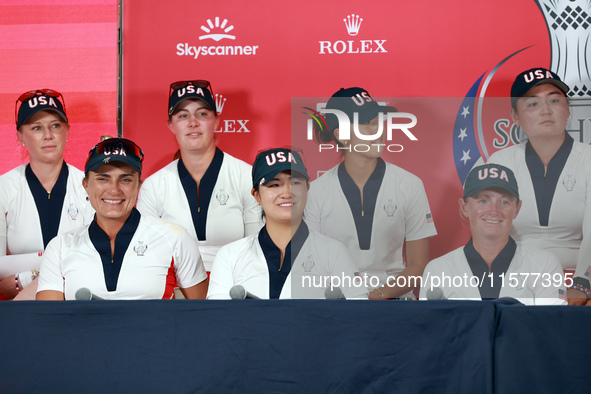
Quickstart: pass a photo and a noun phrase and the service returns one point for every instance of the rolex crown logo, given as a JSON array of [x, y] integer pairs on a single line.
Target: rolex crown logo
[[353, 23], [219, 103]]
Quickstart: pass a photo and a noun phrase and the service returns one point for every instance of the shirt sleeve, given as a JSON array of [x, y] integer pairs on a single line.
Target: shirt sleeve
[[147, 202], [419, 220], [189, 269], [3, 224], [346, 267], [549, 287], [50, 274], [583, 269], [251, 213], [221, 279], [312, 210]]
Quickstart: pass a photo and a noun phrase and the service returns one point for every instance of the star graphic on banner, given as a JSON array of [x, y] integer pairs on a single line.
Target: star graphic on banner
[[465, 111], [463, 134], [466, 156]]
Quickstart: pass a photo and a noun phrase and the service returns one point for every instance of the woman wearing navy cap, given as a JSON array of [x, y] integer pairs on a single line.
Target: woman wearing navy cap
[[491, 265], [285, 259], [554, 174], [121, 254], [206, 191], [40, 199], [377, 209]]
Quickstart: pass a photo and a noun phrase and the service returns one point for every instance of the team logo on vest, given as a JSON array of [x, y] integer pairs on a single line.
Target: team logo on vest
[[569, 183], [140, 248], [229, 125], [216, 31], [570, 39], [390, 208], [308, 264], [353, 25], [222, 197], [72, 211]]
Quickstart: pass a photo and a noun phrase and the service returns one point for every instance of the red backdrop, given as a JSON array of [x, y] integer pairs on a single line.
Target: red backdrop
[[402, 49], [423, 58]]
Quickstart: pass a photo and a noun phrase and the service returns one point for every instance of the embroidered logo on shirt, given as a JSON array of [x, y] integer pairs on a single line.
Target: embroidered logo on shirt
[[308, 264], [390, 208], [222, 197], [569, 183], [140, 248], [72, 211]]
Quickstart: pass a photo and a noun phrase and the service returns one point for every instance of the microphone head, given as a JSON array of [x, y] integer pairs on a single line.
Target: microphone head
[[83, 294], [238, 292], [435, 293], [334, 293]]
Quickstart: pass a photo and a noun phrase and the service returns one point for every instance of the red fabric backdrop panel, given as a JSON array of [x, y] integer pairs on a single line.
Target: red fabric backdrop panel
[[69, 46], [259, 57]]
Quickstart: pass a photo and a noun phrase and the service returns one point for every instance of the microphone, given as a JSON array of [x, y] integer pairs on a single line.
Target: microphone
[[435, 293], [238, 292], [84, 294], [334, 293]]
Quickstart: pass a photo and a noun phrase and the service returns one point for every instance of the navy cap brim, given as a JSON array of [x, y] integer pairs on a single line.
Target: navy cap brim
[[34, 112]]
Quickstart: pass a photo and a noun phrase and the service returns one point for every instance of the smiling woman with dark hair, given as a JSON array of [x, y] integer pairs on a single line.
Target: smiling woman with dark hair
[[285, 259], [121, 254]]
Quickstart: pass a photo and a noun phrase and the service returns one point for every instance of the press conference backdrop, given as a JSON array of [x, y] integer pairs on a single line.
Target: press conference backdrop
[[443, 60]]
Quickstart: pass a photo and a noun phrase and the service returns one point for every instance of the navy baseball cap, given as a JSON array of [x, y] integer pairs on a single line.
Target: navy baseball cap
[[39, 100], [534, 77], [351, 101], [197, 89], [114, 149], [271, 162], [489, 176]]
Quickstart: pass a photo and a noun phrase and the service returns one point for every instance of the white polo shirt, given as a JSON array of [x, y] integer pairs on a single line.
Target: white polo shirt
[[151, 250], [401, 212], [570, 211], [243, 263], [536, 277], [20, 224], [232, 212]]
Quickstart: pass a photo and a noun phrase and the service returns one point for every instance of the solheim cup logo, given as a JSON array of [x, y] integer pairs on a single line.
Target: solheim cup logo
[[569, 23], [353, 23]]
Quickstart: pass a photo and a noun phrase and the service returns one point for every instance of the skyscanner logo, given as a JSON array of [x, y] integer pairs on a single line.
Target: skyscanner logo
[[216, 31]]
